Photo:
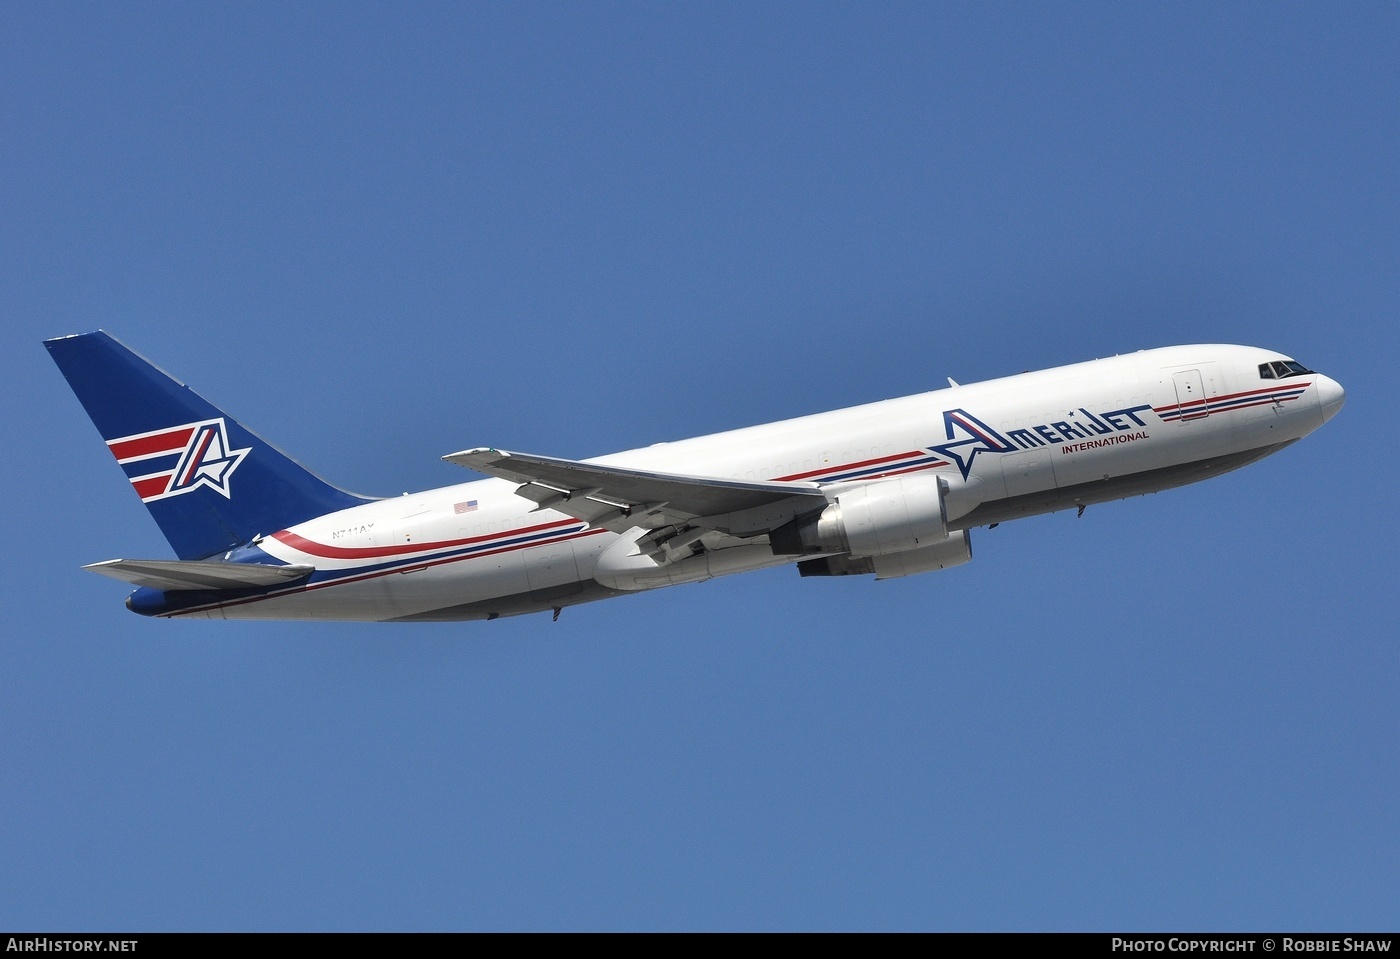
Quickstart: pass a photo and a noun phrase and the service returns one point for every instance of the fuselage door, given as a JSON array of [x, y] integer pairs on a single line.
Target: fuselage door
[[1190, 395]]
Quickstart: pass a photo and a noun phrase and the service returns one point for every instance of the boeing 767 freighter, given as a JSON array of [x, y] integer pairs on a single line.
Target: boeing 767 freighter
[[890, 488]]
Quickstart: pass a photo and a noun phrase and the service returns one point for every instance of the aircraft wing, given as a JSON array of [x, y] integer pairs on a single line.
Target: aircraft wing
[[620, 498], [170, 575]]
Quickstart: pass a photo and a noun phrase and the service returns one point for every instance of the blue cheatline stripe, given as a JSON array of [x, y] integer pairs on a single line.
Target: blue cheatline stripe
[[882, 468], [1226, 406], [466, 552], [334, 577]]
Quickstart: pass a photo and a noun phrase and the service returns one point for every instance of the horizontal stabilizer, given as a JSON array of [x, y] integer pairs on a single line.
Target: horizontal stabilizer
[[171, 575]]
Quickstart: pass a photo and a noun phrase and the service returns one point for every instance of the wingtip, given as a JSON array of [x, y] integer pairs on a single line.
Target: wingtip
[[467, 456], [101, 567]]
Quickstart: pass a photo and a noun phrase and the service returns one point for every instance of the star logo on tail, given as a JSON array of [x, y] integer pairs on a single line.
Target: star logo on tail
[[208, 460]]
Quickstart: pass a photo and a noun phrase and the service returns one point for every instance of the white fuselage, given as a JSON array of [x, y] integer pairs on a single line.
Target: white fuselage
[[1004, 448]]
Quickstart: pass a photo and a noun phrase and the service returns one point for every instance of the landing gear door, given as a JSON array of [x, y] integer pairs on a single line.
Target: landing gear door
[[552, 570], [1028, 472], [1190, 395]]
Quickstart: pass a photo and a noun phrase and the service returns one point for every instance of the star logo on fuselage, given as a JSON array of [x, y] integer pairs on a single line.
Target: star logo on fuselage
[[969, 436]]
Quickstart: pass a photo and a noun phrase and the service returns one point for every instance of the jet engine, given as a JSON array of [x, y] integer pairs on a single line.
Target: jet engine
[[896, 527], [872, 520], [953, 551]]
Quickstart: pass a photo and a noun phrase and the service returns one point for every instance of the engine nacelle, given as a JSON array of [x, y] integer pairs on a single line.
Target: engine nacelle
[[953, 551], [878, 519]]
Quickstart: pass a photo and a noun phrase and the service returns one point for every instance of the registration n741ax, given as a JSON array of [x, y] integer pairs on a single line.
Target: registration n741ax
[[890, 488]]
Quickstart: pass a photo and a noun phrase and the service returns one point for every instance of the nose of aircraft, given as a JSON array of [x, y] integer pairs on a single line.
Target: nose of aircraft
[[1331, 395]]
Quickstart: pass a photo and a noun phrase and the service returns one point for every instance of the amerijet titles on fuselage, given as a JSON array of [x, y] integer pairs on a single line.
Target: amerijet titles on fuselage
[[981, 438], [890, 488]]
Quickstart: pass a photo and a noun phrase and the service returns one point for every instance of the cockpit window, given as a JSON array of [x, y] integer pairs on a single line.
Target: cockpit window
[[1280, 370]]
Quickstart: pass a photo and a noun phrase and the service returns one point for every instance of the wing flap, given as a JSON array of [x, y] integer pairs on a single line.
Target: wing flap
[[173, 575], [621, 498]]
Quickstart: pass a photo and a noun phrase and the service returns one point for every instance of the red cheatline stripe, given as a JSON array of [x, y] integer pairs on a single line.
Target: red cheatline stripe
[[1264, 402], [844, 467], [149, 486], [168, 442], [1179, 407], [912, 469], [1268, 390], [372, 552], [385, 572], [1271, 398], [1167, 412]]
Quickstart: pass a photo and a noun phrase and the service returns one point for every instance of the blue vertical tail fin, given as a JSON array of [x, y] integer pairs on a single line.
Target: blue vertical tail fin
[[210, 484]]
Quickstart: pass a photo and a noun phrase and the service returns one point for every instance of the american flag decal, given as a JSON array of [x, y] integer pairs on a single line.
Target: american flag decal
[[467, 507]]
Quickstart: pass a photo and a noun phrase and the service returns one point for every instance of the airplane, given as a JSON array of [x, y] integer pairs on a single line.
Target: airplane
[[888, 489]]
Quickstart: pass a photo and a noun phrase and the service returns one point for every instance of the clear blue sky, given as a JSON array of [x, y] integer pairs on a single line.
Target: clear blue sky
[[380, 233]]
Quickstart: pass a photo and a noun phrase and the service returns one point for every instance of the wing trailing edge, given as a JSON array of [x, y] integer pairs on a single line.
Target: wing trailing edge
[[620, 498]]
